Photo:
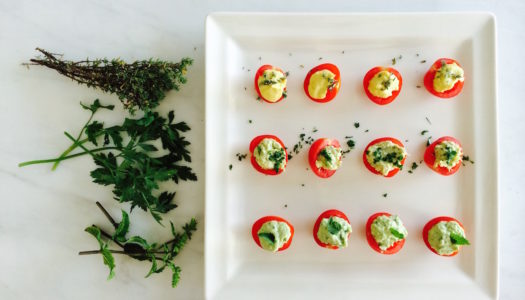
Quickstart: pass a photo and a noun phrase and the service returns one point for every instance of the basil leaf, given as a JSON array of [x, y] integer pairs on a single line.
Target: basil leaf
[[397, 234], [457, 239]]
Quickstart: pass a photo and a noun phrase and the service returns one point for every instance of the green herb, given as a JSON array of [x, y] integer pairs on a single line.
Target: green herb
[[240, 156], [267, 236], [250, 121], [129, 161], [326, 155], [396, 233], [466, 158], [393, 61], [277, 157], [424, 132], [428, 120], [428, 141], [230, 167], [350, 143], [139, 85], [314, 130], [458, 239], [138, 248], [385, 195], [333, 227], [356, 125], [367, 130], [414, 166], [423, 61]]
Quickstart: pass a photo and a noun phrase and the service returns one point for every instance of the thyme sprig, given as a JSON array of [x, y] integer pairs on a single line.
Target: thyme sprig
[[139, 85], [161, 255]]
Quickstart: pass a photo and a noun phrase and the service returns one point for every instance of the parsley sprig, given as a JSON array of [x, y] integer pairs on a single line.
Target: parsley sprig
[[127, 159], [161, 255]]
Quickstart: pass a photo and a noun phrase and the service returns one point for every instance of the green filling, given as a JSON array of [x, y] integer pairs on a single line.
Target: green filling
[[448, 154], [446, 237], [269, 154], [387, 230], [273, 235], [329, 158], [385, 156], [334, 231]]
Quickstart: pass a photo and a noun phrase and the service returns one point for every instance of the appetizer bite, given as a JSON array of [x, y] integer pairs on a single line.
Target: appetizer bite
[[272, 233], [268, 154], [444, 78], [322, 83], [332, 229], [385, 233], [444, 155], [384, 156], [382, 85], [270, 83], [325, 157], [444, 236]]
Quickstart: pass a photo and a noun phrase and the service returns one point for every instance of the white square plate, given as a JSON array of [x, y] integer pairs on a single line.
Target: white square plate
[[237, 44]]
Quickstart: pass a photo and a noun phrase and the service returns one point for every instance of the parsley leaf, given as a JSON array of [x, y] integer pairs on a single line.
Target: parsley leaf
[[333, 227]]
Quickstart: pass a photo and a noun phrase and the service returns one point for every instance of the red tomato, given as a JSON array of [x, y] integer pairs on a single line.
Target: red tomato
[[259, 223], [431, 73], [315, 149], [366, 82], [367, 164], [431, 224], [254, 143], [327, 214], [372, 242], [259, 73], [430, 156], [331, 93]]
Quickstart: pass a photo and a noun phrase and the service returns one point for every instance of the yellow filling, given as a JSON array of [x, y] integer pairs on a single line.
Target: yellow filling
[[271, 85], [447, 76], [320, 83]]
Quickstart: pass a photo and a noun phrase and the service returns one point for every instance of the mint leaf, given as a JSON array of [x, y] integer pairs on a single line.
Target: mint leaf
[[137, 240], [153, 266], [122, 229], [458, 239], [108, 261], [397, 234]]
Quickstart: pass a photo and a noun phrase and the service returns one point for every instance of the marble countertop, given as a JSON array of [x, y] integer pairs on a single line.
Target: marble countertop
[[44, 213]]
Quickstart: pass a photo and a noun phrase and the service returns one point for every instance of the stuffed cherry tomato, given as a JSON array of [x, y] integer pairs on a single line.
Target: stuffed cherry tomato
[[385, 233], [322, 83], [445, 78], [272, 233], [270, 83], [325, 157], [332, 229], [268, 154], [384, 156], [382, 85], [444, 155], [444, 236]]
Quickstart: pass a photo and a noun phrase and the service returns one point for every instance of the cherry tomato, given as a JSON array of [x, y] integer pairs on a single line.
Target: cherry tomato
[[430, 157], [259, 223], [327, 214], [431, 224], [431, 73], [331, 93], [376, 141], [366, 82], [259, 73], [254, 143], [372, 242], [315, 149]]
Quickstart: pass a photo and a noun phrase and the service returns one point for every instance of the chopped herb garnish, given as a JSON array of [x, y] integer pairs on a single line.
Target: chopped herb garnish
[[350, 143], [277, 157], [397, 234], [240, 156], [320, 58], [423, 61], [428, 141], [286, 205], [385, 195], [394, 61], [356, 125], [428, 120], [414, 166], [467, 158], [333, 227], [424, 132], [458, 239], [367, 130], [418, 86], [301, 66], [230, 167], [314, 130], [268, 236]]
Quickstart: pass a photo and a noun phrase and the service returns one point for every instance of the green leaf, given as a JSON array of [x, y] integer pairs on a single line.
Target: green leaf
[[96, 105], [93, 130], [153, 266], [137, 240], [267, 236], [333, 227], [109, 261], [176, 274], [458, 239], [147, 147], [95, 231], [122, 229], [397, 234]]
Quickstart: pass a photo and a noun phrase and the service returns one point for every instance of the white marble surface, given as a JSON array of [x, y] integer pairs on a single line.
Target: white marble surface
[[43, 213]]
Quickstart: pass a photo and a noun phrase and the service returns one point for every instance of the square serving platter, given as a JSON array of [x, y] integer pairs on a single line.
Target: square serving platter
[[237, 44]]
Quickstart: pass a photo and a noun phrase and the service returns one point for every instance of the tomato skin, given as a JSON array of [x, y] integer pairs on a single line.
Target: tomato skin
[[431, 73], [253, 144], [430, 157], [372, 242], [366, 82], [258, 74], [327, 214], [330, 94], [259, 223], [379, 140], [431, 224], [315, 149]]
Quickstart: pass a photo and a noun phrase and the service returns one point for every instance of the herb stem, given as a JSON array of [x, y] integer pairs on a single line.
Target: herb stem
[[120, 252], [105, 212], [58, 159]]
